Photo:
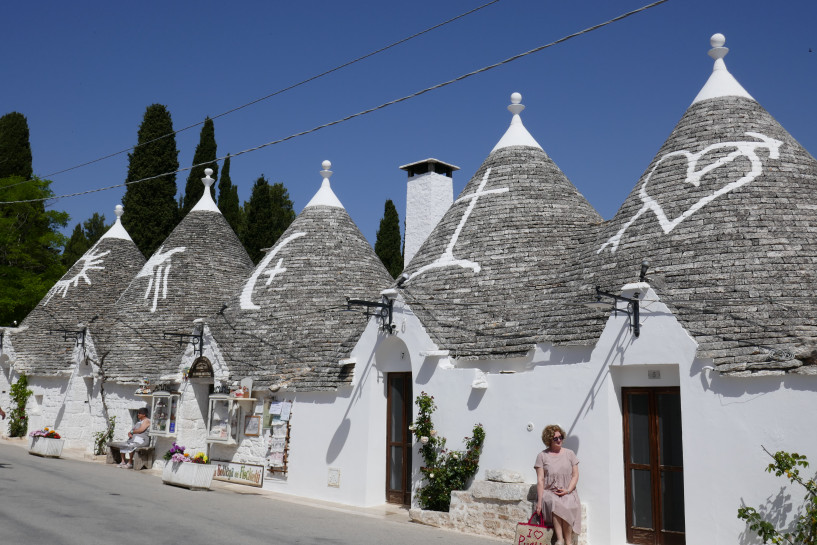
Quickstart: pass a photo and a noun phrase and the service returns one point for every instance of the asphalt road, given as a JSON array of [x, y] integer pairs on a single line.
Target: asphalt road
[[63, 501]]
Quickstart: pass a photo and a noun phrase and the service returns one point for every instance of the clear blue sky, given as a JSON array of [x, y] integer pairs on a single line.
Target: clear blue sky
[[601, 104]]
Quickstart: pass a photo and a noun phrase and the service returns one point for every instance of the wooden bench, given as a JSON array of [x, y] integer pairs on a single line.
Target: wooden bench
[[142, 457]]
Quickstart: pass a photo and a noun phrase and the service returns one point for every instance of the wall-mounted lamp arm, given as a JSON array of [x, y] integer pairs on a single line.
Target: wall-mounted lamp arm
[[632, 309]]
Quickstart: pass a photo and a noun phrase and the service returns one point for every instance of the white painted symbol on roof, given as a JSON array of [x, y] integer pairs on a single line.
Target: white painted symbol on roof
[[90, 261], [447, 259], [742, 149], [246, 293], [158, 269]]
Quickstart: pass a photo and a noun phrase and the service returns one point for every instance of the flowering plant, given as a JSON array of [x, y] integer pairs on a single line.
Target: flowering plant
[[46, 432], [200, 458], [174, 450], [445, 470], [177, 454]]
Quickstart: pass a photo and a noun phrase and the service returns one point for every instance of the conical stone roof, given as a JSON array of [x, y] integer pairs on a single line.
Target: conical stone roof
[[726, 214], [287, 325], [192, 274], [84, 296], [476, 282]]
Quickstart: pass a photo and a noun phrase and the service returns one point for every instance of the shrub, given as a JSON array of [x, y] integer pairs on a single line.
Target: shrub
[[18, 419], [444, 470], [102, 438], [805, 528]]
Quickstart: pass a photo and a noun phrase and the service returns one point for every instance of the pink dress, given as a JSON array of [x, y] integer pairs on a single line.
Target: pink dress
[[558, 472]]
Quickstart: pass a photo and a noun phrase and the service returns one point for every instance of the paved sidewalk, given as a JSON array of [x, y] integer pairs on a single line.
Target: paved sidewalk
[[390, 512]]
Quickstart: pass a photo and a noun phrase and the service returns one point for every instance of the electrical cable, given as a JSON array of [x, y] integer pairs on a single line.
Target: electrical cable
[[364, 112], [278, 92]]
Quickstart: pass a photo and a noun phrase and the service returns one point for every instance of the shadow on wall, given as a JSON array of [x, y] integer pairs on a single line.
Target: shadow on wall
[[475, 398], [777, 510], [735, 387]]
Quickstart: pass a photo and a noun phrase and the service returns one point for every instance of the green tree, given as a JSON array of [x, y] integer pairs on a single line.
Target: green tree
[[76, 247], [151, 205], [228, 198], [387, 245], [94, 228], [30, 247], [268, 213], [805, 524], [85, 235], [205, 157], [283, 212], [15, 148]]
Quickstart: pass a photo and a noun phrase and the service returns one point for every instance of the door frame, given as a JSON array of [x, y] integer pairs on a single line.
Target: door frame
[[635, 535], [406, 442]]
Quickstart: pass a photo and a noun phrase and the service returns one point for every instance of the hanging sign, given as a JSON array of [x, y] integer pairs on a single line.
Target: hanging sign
[[201, 368]]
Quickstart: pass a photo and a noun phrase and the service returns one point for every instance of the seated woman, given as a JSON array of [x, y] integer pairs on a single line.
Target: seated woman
[[557, 472], [137, 437]]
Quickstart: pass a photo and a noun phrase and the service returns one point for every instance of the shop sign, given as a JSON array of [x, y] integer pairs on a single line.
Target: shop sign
[[201, 368], [249, 474]]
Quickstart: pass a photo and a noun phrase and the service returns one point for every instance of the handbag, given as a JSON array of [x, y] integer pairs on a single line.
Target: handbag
[[529, 533]]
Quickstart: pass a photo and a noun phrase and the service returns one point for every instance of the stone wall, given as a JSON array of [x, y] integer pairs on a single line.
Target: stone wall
[[490, 508]]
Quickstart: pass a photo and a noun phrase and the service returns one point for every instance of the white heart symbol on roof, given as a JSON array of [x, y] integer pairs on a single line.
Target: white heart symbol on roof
[[742, 149]]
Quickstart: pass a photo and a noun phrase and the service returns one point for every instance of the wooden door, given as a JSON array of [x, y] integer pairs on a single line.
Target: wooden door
[[653, 466], [398, 438]]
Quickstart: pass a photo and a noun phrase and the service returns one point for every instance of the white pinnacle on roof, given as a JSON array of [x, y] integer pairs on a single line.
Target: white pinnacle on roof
[[206, 202], [721, 83], [517, 134], [325, 196], [117, 230]]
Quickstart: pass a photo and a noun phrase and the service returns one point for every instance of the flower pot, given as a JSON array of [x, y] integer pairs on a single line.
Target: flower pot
[[188, 475], [45, 446]]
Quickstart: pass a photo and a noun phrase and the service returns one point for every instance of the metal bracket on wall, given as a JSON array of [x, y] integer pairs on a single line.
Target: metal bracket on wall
[[196, 339]]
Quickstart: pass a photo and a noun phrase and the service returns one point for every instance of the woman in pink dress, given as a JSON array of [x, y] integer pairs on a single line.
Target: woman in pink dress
[[557, 472]]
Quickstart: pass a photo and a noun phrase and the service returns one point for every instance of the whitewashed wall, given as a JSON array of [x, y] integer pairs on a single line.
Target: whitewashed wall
[[725, 420]]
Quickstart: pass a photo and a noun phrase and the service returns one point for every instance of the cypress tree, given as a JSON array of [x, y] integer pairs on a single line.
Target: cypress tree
[[228, 198], [85, 235], [283, 212], [76, 246], [15, 148], [258, 229], [151, 205], [206, 154], [268, 213], [387, 245], [94, 228]]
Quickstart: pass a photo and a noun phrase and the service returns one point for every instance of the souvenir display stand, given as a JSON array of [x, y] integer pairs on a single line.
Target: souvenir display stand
[[165, 405]]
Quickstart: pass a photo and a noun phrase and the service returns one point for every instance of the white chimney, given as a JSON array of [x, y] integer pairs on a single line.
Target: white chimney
[[429, 195]]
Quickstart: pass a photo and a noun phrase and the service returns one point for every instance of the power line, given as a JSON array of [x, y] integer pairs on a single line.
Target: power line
[[365, 112], [278, 92]]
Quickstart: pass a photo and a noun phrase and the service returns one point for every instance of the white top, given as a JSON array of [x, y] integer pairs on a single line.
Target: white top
[[325, 196], [721, 83], [206, 203], [117, 230], [517, 134]]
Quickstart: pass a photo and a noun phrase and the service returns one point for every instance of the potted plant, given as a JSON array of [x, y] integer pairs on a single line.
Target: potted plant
[[45, 442], [182, 469]]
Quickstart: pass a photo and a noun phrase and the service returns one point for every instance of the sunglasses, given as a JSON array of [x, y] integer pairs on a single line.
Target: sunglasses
[[558, 438]]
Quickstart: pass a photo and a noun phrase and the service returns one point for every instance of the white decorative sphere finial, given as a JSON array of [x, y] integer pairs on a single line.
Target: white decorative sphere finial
[[718, 51], [516, 106], [326, 173], [207, 180], [119, 210]]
